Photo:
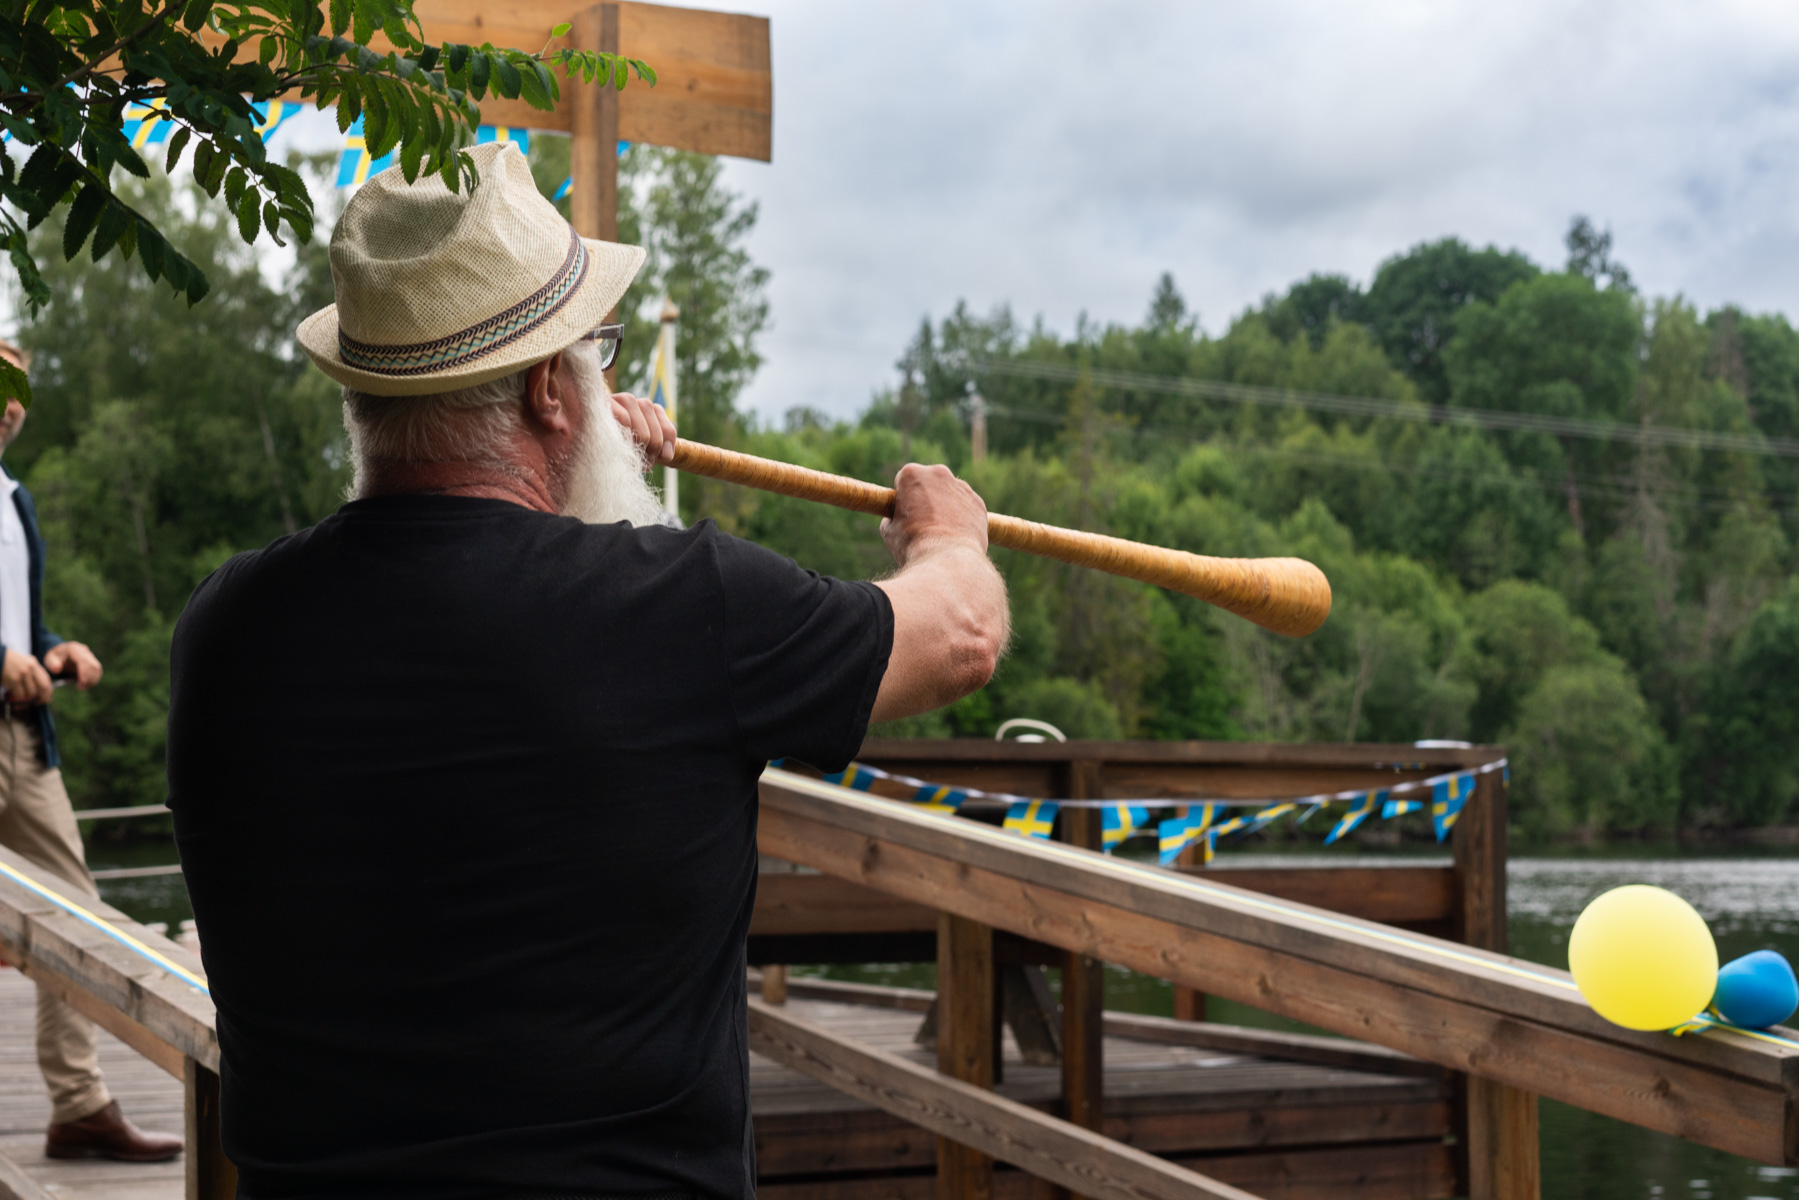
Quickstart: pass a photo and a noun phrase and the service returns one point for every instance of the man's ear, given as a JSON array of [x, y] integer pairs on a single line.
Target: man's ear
[[546, 397]]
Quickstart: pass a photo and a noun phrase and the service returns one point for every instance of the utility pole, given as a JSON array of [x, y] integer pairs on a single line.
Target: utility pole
[[664, 390], [977, 425]]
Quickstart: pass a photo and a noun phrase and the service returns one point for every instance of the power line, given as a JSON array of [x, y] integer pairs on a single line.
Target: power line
[[1694, 496], [1367, 406]]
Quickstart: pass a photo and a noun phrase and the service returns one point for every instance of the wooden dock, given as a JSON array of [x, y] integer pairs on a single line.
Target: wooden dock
[[147, 1093], [1283, 1130], [1280, 1129]]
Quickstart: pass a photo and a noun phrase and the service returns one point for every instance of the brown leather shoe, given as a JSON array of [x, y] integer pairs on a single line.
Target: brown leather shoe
[[107, 1134]]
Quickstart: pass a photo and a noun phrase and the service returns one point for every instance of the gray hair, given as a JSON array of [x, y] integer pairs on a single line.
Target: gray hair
[[471, 424]]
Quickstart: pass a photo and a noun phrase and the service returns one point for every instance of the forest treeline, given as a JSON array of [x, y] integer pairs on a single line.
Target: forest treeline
[[1619, 610]]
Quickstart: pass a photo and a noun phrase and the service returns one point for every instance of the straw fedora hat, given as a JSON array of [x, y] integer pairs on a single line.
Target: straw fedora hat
[[438, 290]]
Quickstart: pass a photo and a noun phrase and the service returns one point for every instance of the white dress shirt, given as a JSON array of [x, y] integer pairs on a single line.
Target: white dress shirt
[[15, 573]]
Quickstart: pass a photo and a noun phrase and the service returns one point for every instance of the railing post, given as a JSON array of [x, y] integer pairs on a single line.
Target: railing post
[[966, 994], [210, 1175], [1498, 1155], [1083, 978]]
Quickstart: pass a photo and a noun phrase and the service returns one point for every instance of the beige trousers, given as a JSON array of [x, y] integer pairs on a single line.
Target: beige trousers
[[38, 823]]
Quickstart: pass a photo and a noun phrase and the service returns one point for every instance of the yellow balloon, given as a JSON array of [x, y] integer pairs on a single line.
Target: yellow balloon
[[1643, 958]]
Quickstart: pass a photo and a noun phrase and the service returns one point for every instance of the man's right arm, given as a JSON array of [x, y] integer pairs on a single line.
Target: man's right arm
[[951, 621]]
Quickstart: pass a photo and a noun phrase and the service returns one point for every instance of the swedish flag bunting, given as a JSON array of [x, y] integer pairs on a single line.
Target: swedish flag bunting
[[944, 800], [1355, 816], [1032, 818], [355, 166], [1448, 796], [1117, 821], [1264, 817], [855, 776], [504, 133], [273, 114], [142, 126], [1399, 808], [1176, 835]]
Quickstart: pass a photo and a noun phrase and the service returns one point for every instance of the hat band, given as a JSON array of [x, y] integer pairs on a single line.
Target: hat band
[[447, 353]]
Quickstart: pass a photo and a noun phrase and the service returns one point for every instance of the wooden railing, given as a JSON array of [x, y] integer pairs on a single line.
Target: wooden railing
[[1515, 1029]]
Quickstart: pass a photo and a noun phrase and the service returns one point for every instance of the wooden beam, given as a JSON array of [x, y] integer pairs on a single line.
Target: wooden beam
[[15, 1184], [593, 122], [804, 904], [1399, 894], [1000, 1128], [965, 1044], [1266, 1043], [1498, 1151], [210, 1175], [1467, 1009], [1083, 975], [714, 94], [50, 944]]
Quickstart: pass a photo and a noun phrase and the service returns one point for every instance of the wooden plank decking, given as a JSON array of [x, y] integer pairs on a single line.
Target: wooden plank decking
[[1280, 1129]]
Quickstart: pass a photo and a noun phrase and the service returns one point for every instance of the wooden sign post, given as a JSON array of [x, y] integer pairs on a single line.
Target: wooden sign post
[[714, 92]]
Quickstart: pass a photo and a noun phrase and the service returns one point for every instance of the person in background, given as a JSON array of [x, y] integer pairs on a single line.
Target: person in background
[[38, 823]]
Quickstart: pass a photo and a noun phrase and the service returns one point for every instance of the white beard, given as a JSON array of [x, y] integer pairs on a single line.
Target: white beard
[[604, 480]]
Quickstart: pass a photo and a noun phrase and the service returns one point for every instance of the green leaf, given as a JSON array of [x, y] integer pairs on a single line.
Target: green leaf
[[115, 219], [177, 143], [428, 58], [458, 61], [506, 80], [234, 187], [340, 17], [266, 50], [150, 247], [197, 285], [374, 120], [271, 219], [216, 175], [478, 67], [249, 215], [203, 158], [619, 74], [196, 13], [14, 384], [80, 221], [561, 30]]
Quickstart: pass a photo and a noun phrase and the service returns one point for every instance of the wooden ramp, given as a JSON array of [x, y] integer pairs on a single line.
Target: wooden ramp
[[1281, 1129]]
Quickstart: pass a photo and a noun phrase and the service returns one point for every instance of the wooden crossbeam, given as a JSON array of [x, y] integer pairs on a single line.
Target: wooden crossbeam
[[1494, 1017], [1052, 1149], [148, 1008]]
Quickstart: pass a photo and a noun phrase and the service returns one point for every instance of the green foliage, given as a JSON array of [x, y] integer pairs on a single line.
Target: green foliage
[[169, 438], [68, 70]]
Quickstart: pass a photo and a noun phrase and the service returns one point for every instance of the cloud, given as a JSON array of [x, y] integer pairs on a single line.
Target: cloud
[[1059, 156]]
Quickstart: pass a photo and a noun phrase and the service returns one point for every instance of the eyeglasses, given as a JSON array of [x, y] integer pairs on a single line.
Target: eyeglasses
[[608, 336]]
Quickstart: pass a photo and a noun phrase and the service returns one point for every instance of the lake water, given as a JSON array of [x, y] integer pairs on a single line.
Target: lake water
[[1750, 901]]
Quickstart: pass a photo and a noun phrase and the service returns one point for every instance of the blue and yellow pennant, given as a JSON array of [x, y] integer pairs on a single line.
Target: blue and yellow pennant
[[1117, 821], [1032, 818], [1176, 835], [504, 133], [1448, 797], [355, 166], [142, 126], [855, 776], [1264, 817], [1399, 808], [945, 800], [1355, 816]]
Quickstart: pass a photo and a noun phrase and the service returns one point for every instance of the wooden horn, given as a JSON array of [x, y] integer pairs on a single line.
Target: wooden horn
[[1286, 595]]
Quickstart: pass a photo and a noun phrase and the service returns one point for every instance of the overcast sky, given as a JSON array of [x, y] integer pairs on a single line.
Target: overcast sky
[[1059, 156]]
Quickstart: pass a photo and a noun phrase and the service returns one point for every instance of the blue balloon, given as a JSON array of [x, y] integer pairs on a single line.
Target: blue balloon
[[1756, 990]]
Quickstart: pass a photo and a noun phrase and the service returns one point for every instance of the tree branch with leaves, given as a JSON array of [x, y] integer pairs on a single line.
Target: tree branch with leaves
[[70, 69]]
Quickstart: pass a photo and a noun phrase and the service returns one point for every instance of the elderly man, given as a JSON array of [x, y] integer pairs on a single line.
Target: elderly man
[[38, 823], [464, 777]]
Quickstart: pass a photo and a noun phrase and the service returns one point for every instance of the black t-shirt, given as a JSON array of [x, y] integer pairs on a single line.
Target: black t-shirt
[[466, 799]]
